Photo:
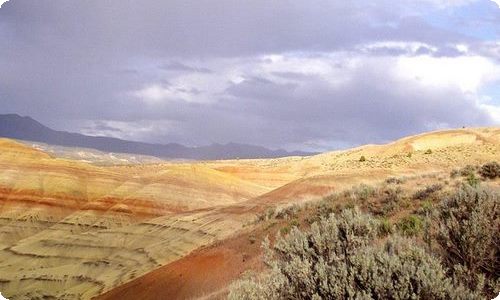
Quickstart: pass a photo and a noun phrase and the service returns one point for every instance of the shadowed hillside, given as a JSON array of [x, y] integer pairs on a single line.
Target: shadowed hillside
[[25, 128]]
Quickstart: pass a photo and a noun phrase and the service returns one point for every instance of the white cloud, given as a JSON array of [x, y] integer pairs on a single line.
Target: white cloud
[[497, 2], [468, 73], [409, 47], [2, 3], [462, 48], [134, 130], [485, 103], [154, 94], [334, 68]]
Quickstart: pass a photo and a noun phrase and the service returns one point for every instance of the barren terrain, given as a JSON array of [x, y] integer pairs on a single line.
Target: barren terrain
[[75, 230]]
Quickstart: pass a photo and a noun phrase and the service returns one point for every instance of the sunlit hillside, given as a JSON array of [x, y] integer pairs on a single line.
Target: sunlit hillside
[[74, 230]]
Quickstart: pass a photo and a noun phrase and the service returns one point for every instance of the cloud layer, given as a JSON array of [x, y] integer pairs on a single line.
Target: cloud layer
[[275, 73]]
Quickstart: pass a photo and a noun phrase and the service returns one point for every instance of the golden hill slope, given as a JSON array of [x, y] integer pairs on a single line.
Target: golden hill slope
[[70, 229], [74, 230], [301, 178], [74, 185]]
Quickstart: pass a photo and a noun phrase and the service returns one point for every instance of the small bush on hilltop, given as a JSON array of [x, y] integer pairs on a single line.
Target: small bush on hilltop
[[394, 180], [490, 170], [467, 171]]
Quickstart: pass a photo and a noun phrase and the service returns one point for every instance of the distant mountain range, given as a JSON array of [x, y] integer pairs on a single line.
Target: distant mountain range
[[25, 128]]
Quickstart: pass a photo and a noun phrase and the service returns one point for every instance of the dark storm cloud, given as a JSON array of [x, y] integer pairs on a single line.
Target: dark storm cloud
[[356, 112], [68, 63]]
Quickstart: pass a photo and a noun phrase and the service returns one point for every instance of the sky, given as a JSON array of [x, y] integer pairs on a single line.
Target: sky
[[293, 74]]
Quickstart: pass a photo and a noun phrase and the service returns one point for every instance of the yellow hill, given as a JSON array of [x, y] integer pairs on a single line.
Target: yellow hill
[[73, 230]]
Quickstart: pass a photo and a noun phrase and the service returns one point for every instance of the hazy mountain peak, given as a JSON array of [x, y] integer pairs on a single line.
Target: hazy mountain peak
[[26, 128]]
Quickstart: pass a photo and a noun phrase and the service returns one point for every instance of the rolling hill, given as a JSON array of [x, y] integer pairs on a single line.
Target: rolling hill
[[76, 230]]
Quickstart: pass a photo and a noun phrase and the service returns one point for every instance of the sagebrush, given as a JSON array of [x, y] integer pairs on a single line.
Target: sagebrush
[[468, 235], [337, 258]]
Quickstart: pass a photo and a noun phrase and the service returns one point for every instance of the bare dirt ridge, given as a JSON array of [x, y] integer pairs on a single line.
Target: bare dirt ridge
[[75, 230]]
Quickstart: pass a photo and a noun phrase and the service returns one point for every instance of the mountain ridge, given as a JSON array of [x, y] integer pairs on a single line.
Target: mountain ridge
[[26, 128]]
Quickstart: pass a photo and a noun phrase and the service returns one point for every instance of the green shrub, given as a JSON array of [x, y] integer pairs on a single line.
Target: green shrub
[[362, 192], [285, 230], [256, 287], [468, 234], [362, 158], [426, 192], [334, 260], [394, 180], [391, 200], [490, 170], [287, 212], [349, 205], [472, 180], [401, 270], [428, 151], [266, 215], [426, 209], [410, 226], [385, 227], [324, 209], [270, 213], [468, 170], [302, 262]]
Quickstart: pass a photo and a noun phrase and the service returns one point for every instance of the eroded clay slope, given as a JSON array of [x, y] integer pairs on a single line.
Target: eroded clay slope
[[73, 230], [206, 273]]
